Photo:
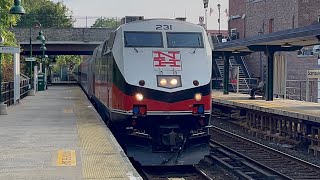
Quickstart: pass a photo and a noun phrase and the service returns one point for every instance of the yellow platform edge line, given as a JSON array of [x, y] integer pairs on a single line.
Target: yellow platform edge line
[[66, 158]]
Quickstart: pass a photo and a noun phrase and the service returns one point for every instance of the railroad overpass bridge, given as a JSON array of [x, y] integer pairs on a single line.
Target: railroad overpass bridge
[[62, 41]]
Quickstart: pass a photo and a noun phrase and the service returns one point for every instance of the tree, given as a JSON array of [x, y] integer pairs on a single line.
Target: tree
[[48, 13], [70, 61], [106, 22], [6, 21]]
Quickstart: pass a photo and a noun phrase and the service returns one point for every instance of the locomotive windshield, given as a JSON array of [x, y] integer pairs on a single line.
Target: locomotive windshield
[[184, 40], [143, 39]]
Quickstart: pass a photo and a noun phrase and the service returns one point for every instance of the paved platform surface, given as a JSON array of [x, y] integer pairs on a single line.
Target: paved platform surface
[[64, 82], [297, 109], [57, 135]]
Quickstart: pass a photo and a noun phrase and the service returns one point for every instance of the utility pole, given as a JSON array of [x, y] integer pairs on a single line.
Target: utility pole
[[219, 20], [206, 5]]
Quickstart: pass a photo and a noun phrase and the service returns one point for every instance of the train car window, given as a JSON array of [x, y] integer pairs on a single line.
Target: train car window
[[184, 40], [143, 39]]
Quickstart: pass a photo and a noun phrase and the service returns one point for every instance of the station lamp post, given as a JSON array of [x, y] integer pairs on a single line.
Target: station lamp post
[[36, 25], [42, 47], [16, 9], [219, 20]]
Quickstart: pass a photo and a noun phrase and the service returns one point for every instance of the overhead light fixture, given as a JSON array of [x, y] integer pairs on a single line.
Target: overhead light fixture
[[235, 52], [286, 45], [17, 8]]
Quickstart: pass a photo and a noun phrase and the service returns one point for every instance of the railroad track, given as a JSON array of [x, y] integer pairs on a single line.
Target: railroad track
[[238, 165], [173, 172], [267, 160]]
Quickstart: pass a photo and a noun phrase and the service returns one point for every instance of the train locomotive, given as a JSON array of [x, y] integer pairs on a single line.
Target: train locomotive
[[151, 81]]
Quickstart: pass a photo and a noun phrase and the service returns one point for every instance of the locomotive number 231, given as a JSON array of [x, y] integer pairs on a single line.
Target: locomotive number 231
[[163, 27]]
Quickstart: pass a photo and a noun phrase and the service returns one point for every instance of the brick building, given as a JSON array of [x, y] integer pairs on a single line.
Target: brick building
[[254, 17]]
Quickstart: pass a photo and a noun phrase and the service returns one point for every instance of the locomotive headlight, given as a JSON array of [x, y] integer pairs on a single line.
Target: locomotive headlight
[[198, 96], [173, 82], [163, 82], [169, 81], [139, 97]]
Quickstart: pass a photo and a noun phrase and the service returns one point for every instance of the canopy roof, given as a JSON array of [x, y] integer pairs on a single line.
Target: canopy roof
[[304, 36]]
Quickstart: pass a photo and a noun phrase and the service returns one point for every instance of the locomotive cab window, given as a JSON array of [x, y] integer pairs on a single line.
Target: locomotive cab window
[[143, 39], [184, 40]]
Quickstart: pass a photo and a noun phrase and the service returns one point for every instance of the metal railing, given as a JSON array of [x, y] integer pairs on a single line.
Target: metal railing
[[245, 66], [245, 84], [8, 91], [296, 90], [88, 21], [24, 88], [80, 21]]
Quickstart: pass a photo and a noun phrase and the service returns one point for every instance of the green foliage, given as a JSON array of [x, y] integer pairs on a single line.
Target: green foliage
[[63, 61], [6, 21], [48, 13], [107, 22]]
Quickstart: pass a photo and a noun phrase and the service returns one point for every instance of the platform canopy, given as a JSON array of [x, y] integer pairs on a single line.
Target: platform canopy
[[304, 36], [287, 40]]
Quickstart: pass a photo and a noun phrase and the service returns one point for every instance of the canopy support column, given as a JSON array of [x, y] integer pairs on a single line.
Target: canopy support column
[[226, 73], [269, 89]]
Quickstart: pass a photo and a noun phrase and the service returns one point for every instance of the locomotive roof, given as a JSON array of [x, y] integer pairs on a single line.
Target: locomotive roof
[[159, 19]]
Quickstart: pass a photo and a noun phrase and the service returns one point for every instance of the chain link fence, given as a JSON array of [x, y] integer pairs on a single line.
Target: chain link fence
[[96, 22], [78, 21]]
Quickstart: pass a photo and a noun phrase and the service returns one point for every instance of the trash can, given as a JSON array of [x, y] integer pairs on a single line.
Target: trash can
[[41, 82]]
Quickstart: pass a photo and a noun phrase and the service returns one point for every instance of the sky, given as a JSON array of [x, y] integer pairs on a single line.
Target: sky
[[191, 9]]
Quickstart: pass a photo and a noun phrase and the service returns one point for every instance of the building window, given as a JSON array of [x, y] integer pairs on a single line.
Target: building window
[[270, 25], [306, 52]]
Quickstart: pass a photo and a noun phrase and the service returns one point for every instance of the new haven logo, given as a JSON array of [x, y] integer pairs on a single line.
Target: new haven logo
[[167, 60]]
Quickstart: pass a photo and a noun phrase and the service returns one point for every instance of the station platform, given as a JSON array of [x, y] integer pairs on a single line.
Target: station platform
[[64, 83], [291, 108], [57, 134], [285, 121]]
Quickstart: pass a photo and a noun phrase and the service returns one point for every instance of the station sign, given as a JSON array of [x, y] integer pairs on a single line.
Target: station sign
[[9, 49], [30, 59], [313, 73]]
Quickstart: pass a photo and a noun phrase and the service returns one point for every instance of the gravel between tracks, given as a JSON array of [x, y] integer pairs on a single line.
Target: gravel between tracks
[[301, 153], [214, 171]]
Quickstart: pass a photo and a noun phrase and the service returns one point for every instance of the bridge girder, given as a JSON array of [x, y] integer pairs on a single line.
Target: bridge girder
[[55, 48]]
